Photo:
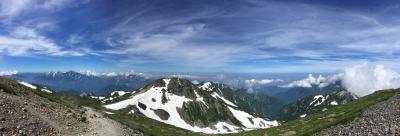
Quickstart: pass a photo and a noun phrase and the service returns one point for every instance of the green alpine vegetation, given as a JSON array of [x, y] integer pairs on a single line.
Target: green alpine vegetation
[[319, 121]]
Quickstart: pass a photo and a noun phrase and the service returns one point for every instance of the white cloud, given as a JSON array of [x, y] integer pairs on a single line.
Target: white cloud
[[184, 76], [8, 72], [9, 8], [111, 74], [252, 82], [309, 82], [363, 79], [174, 47], [27, 38], [23, 41], [360, 79]]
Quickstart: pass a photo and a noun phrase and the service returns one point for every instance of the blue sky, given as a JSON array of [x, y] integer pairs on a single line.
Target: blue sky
[[198, 36]]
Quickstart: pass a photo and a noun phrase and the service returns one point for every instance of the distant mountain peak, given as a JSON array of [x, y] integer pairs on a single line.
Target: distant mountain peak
[[315, 103]]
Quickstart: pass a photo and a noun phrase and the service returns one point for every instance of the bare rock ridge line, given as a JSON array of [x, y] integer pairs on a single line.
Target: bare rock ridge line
[[380, 119]]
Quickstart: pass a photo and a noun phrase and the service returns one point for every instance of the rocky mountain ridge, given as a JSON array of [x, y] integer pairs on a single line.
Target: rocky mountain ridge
[[181, 103], [81, 82]]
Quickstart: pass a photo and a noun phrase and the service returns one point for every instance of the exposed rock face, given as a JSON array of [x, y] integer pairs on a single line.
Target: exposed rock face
[[380, 119], [164, 115], [143, 106], [182, 87]]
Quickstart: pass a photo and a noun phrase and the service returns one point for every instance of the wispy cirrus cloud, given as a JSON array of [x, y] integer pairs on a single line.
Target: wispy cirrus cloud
[[169, 47], [253, 35], [26, 39]]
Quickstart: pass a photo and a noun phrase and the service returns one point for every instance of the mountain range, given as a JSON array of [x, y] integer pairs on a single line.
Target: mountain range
[[84, 82]]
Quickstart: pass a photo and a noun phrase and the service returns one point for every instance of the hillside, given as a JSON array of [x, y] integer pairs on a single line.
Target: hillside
[[29, 110], [338, 115]]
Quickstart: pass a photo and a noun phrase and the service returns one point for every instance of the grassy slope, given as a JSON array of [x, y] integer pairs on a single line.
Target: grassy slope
[[319, 121]]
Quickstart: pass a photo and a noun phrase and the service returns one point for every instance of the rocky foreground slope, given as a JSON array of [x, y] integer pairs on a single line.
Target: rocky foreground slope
[[380, 119], [26, 111]]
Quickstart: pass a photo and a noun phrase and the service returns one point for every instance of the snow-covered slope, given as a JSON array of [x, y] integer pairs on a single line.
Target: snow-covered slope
[[44, 89], [180, 103]]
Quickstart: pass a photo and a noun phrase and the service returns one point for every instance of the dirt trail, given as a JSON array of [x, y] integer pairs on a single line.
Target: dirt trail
[[103, 126]]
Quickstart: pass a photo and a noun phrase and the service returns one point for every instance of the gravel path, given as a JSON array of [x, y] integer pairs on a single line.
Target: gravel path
[[103, 126], [382, 119]]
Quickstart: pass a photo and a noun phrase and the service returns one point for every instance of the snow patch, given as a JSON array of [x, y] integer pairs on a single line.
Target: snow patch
[[256, 122], [224, 127], [98, 97], [120, 93], [46, 90], [216, 95], [206, 86], [334, 103], [27, 84], [315, 102], [109, 112]]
